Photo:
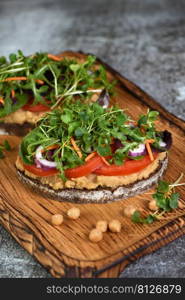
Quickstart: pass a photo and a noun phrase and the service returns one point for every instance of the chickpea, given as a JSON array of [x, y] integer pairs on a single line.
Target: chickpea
[[152, 205], [57, 219], [129, 210], [115, 226], [95, 235], [102, 225], [73, 213], [180, 205]]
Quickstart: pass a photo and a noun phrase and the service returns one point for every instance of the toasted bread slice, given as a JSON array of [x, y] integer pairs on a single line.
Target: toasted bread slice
[[100, 194]]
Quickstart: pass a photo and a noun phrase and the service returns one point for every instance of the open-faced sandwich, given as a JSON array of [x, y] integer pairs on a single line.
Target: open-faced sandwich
[[31, 86], [91, 152]]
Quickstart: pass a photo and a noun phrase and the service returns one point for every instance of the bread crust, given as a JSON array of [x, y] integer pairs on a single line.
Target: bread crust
[[16, 129]]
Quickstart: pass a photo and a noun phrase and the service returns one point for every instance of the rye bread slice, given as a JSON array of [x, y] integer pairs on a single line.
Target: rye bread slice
[[99, 195], [16, 129]]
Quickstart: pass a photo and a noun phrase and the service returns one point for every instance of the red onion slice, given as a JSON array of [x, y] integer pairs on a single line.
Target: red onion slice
[[162, 144], [138, 151], [165, 141], [42, 161], [104, 99]]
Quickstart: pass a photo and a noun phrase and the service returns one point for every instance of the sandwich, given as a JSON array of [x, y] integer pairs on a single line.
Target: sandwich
[[93, 153], [32, 85]]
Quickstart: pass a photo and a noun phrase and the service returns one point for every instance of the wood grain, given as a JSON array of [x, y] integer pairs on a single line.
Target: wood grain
[[65, 250]]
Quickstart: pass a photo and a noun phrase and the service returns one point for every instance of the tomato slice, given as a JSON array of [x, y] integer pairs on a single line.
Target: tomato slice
[[97, 166], [87, 168], [40, 172], [37, 107], [129, 167]]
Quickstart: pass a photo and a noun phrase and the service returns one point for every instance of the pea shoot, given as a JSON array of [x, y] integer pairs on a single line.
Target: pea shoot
[[166, 200], [80, 129], [48, 81]]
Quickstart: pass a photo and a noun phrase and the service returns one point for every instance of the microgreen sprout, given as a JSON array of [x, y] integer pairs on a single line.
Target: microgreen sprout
[[166, 200], [5, 146], [61, 81]]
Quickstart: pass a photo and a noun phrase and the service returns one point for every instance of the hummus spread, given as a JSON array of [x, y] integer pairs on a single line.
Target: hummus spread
[[21, 116], [94, 181]]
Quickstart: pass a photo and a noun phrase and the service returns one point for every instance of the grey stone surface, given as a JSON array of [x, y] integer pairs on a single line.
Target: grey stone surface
[[144, 40]]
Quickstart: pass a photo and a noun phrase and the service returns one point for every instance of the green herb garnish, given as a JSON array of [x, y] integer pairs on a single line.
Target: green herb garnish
[[5, 146], [136, 218], [91, 126], [166, 200], [48, 82]]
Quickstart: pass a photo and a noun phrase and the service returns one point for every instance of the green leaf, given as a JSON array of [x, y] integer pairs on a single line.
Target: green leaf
[[60, 168], [79, 132], [2, 60], [74, 67], [136, 135], [91, 59], [27, 141], [7, 145], [142, 120], [20, 53], [121, 119], [43, 89], [118, 135], [119, 158], [136, 217], [161, 200], [148, 119], [126, 148], [163, 187], [150, 219], [98, 109], [84, 116], [125, 130], [104, 150], [118, 161], [136, 157], [1, 154], [13, 57], [72, 126], [22, 99], [173, 201], [152, 115], [8, 106], [67, 116]]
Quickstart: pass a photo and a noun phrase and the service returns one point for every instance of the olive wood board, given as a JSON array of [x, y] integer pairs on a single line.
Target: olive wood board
[[65, 250]]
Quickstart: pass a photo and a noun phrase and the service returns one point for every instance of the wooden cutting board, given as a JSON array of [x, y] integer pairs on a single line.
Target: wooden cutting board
[[65, 250]]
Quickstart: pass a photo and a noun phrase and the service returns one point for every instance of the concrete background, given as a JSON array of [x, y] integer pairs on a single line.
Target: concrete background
[[144, 40]]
